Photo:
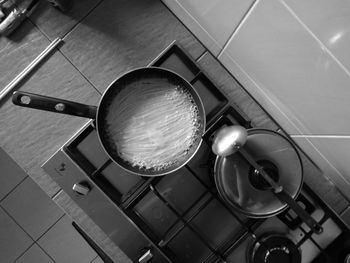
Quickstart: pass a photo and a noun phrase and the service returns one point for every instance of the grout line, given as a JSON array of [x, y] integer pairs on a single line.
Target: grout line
[[81, 73], [341, 214], [20, 182], [47, 254], [201, 56], [323, 46], [240, 23], [14, 220], [94, 258], [320, 136], [80, 20], [71, 29], [289, 120], [65, 35], [17, 223], [53, 224], [193, 19], [30, 248], [17, 258], [54, 195], [263, 93]]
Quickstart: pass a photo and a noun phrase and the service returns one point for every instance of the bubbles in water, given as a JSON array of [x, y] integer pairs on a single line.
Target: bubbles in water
[[170, 125]]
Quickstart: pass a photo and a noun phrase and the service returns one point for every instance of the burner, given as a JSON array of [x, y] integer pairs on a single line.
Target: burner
[[274, 248]]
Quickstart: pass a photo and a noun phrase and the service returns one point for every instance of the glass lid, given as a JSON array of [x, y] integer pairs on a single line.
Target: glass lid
[[241, 186]]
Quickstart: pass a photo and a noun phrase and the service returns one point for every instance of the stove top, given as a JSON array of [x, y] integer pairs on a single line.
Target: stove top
[[179, 217]]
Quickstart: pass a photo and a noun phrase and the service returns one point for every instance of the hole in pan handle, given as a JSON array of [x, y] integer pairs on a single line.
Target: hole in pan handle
[[40, 102]]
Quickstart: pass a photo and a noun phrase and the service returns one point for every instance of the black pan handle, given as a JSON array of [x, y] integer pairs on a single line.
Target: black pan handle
[[304, 216], [283, 196], [40, 102]]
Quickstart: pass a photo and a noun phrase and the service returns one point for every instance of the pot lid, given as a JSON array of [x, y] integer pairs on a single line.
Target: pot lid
[[241, 186], [274, 248]]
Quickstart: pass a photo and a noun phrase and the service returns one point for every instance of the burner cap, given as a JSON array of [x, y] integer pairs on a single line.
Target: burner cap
[[274, 248]]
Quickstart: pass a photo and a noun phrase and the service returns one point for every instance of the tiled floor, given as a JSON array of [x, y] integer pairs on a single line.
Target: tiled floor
[[31, 208], [59, 241], [33, 229], [34, 254], [13, 240]]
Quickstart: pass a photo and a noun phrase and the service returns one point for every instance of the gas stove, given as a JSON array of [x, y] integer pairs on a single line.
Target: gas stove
[[180, 217]]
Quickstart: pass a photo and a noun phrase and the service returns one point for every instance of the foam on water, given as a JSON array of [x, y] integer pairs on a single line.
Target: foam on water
[[153, 124]]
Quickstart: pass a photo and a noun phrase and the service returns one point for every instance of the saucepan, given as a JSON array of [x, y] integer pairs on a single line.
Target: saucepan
[[148, 78], [259, 172]]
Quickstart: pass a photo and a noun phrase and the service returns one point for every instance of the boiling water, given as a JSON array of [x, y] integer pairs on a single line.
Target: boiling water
[[153, 124]]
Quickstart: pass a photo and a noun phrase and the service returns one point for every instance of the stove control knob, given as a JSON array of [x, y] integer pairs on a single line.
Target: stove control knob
[[81, 188], [146, 257]]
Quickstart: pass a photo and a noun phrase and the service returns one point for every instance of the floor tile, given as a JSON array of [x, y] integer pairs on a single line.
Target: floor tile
[[11, 173], [34, 255], [13, 240], [31, 208], [121, 35], [64, 244], [40, 134], [18, 50], [54, 23], [88, 225]]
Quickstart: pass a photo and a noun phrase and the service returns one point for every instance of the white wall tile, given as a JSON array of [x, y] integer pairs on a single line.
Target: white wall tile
[[296, 78], [336, 150], [293, 76], [331, 155], [329, 21], [11, 173], [212, 21], [31, 208], [259, 95]]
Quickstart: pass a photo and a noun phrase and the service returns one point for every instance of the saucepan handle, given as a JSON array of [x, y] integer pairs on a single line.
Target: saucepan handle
[[40, 102], [304, 216]]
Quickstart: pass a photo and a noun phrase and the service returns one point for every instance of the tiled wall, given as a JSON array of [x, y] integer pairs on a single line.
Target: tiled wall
[[33, 229], [293, 57]]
